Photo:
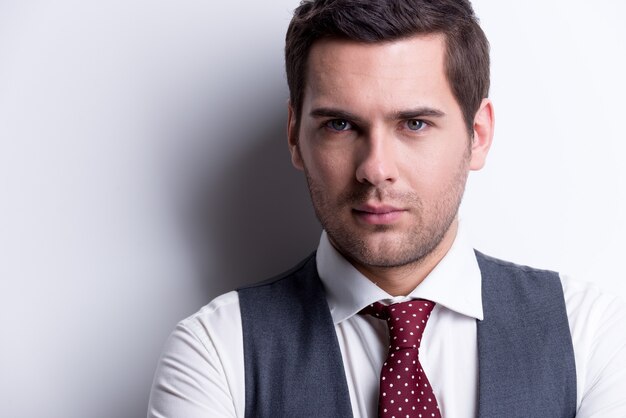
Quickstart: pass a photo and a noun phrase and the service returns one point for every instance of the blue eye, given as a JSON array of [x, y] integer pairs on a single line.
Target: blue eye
[[415, 124], [339, 125]]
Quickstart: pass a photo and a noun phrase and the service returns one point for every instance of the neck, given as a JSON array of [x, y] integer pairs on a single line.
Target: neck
[[402, 280]]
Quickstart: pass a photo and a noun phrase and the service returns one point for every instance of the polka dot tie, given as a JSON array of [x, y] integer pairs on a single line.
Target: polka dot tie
[[405, 391]]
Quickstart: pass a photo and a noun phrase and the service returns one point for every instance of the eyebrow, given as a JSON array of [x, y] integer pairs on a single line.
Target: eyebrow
[[329, 112], [420, 112], [416, 113]]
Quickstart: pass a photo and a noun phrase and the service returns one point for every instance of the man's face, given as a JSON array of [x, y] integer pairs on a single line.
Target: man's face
[[384, 147]]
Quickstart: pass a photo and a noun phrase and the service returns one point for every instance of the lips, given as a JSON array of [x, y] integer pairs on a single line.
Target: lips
[[378, 214]]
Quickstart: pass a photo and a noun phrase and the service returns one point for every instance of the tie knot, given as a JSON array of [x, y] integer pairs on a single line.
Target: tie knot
[[406, 321]]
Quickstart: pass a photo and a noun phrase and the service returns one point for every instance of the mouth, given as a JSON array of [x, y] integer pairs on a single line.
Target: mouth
[[378, 214]]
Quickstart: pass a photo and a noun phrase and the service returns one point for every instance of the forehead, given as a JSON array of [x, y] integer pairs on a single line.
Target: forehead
[[406, 69]]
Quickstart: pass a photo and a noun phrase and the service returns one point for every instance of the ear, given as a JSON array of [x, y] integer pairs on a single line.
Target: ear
[[292, 138], [483, 134]]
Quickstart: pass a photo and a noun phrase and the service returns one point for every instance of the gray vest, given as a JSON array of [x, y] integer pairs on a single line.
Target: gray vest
[[293, 364]]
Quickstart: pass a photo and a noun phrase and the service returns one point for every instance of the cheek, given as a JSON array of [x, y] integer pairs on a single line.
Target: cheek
[[329, 169], [432, 172], [327, 165]]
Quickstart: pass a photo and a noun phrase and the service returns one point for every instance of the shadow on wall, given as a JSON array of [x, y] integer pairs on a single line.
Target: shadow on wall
[[251, 218]]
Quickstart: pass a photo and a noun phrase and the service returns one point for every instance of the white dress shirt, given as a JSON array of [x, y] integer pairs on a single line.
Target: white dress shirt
[[201, 371]]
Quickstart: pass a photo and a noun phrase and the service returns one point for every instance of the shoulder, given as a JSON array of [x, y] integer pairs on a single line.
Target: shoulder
[[596, 319], [200, 372], [208, 330], [593, 311], [218, 317], [223, 314], [219, 305], [584, 296]]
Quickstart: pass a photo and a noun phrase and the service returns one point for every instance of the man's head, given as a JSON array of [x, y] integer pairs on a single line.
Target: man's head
[[381, 135], [374, 21]]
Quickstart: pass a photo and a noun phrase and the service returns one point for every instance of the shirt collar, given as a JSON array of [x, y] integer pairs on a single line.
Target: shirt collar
[[454, 283]]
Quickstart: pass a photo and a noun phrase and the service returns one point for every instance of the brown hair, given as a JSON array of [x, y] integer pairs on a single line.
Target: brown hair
[[467, 48]]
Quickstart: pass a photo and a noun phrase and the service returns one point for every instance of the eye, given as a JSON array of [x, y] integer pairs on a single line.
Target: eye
[[415, 124], [338, 125]]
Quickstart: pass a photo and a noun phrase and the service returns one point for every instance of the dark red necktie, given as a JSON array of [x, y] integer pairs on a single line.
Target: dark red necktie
[[405, 391]]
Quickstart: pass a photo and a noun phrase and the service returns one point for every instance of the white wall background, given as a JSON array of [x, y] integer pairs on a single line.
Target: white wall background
[[143, 170]]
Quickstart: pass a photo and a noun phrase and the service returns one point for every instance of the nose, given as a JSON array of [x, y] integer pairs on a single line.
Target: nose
[[377, 162]]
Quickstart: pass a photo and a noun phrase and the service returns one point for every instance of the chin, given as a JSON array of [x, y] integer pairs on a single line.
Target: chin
[[381, 248]]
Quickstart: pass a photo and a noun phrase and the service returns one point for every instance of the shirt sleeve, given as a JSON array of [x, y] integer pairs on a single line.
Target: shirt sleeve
[[599, 337], [200, 373]]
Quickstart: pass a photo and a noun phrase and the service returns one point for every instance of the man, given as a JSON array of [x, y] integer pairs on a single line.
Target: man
[[388, 114]]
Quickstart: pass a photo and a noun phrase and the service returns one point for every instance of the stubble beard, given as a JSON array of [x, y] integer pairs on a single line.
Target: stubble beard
[[400, 247]]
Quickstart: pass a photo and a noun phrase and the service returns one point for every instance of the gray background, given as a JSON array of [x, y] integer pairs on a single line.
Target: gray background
[[144, 171]]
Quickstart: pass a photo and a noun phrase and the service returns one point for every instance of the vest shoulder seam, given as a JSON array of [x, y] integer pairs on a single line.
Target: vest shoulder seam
[[509, 264]]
